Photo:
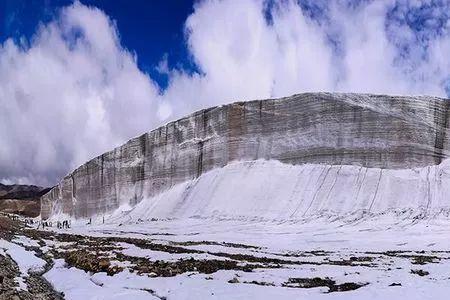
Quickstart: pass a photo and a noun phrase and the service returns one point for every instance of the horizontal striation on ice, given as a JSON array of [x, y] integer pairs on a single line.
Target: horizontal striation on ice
[[368, 132]]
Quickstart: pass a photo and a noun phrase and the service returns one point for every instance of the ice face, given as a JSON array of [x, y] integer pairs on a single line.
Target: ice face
[[370, 131]]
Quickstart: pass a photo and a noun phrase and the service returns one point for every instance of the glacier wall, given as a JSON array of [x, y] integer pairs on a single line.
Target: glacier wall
[[371, 131]]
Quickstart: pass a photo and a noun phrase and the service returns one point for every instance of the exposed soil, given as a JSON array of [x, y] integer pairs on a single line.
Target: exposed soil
[[420, 272], [94, 254], [417, 259], [229, 245], [105, 254], [38, 288], [166, 269], [322, 282]]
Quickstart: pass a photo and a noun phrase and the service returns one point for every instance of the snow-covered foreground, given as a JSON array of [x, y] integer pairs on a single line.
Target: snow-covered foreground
[[377, 258], [26, 260], [264, 230], [385, 260]]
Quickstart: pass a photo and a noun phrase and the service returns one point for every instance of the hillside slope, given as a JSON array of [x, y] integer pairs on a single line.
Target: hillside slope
[[21, 199]]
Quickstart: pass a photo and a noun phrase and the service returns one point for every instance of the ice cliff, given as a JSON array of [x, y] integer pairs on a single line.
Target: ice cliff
[[339, 152]]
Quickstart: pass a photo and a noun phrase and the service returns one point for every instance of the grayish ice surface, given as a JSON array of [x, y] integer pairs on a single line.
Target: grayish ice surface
[[369, 131]]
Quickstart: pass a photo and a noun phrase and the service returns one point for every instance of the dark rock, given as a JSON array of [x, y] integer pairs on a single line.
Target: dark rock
[[420, 272]]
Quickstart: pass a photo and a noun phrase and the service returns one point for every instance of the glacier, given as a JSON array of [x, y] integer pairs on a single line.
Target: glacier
[[320, 154]]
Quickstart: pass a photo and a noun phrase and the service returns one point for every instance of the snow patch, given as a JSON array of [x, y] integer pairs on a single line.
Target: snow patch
[[271, 190], [26, 260]]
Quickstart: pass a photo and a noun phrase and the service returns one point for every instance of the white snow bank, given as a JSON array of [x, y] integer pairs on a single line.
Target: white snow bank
[[25, 260], [77, 284], [271, 190], [25, 241]]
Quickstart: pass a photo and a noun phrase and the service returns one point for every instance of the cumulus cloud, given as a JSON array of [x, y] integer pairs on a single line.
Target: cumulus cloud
[[250, 50], [74, 91]]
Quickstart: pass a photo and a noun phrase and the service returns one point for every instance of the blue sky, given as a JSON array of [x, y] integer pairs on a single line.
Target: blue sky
[[155, 29], [79, 78], [150, 28]]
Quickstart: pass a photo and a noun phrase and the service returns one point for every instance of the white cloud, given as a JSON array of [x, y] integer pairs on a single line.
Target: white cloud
[[75, 92], [242, 56]]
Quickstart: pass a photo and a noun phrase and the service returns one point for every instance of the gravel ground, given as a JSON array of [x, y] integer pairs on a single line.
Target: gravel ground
[[37, 287]]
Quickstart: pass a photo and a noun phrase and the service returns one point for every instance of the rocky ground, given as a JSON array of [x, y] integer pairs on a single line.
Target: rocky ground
[[104, 254], [37, 286], [163, 264]]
